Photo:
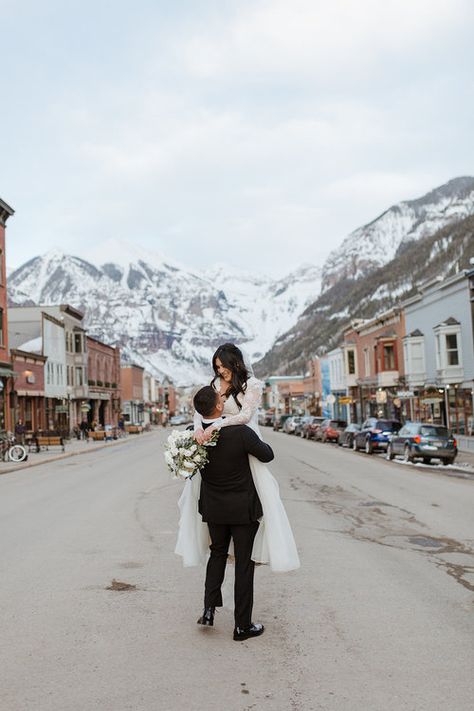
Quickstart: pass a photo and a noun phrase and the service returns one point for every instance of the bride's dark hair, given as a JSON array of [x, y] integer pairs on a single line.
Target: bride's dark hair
[[231, 358]]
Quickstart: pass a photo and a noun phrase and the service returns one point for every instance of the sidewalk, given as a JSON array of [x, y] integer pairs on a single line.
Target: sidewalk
[[465, 443], [73, 448]]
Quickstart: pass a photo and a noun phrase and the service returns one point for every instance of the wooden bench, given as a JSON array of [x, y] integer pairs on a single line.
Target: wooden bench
[[98, 436], [44, 443], [134, 429]]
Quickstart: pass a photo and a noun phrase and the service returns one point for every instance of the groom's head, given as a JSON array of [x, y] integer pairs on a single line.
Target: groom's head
[[208, 403]]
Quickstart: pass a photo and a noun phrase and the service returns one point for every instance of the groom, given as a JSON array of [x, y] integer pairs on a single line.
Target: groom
[[229, 504]]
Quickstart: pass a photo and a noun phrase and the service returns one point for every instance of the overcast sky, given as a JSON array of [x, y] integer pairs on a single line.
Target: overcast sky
[[254, 133]]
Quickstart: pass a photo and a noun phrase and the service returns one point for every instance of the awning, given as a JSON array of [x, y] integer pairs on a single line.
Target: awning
[[7, 373]]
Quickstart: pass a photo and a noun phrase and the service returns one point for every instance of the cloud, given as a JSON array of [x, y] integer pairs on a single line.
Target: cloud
[[317, 38]]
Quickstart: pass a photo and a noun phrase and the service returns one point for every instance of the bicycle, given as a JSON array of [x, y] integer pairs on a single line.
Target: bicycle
[[10, 450]]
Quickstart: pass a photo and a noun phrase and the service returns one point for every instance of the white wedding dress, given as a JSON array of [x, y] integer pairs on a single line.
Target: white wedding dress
[[274, 542]]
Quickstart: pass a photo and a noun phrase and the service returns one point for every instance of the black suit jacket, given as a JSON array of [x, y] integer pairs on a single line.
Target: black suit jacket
[[228, 494]]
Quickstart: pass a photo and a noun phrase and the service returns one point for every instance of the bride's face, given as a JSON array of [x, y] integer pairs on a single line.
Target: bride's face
[[223, 372]]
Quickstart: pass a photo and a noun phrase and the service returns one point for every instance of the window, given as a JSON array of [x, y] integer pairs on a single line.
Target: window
[[79, 378], [351, 366], [452, 349], [389, 356], [1, 267], [366, 362], [78, 343], [417, 358], [1, 328]]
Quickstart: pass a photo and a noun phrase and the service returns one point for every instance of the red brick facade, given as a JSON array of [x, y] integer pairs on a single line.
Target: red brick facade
[[104, 379]]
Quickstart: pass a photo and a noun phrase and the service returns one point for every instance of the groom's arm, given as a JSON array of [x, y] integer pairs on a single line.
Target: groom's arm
[[254, 445]]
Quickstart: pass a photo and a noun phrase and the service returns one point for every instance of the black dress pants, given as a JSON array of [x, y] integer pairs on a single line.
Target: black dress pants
[[243, 536]]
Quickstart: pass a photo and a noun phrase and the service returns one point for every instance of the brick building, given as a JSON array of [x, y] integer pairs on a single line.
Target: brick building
[[103, 365], [374, 366], [29, 388], [131, 377]]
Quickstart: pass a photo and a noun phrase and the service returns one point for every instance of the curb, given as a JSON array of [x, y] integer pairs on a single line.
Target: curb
[[67, 455]]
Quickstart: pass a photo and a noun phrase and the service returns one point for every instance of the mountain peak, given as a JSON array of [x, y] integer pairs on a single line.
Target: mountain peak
[[377, 242]]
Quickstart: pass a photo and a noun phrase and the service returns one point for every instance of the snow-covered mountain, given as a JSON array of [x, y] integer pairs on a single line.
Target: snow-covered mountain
[[377, 243], [162, 314]]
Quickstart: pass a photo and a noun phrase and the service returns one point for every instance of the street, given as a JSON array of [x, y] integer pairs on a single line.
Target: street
[[379, 617]]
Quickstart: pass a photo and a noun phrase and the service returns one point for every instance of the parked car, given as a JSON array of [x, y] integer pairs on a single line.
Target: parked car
[[279, 421], [375, 434], [291, 423], [416, 439], [301, 424], [178, 420], [330, 430], [346, 438], [310, 428], [269, 417]]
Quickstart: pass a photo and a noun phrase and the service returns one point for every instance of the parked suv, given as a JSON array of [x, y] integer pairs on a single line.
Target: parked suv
[[427, 441], [299, 427], [291, 424], [310, 428], [375, 434], [279, 421], [330, 430], [346, 438]]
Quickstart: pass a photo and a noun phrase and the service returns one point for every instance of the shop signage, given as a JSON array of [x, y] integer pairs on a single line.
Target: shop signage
[[381, 397], [331, 399], [59, 409], [405, 394], [346, 401]]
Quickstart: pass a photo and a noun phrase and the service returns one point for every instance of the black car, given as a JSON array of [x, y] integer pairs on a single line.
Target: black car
[[375, 434], [425, 441], [346, 438]]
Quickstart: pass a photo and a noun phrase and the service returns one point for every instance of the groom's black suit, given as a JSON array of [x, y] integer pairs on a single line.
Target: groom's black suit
[[230, 505]]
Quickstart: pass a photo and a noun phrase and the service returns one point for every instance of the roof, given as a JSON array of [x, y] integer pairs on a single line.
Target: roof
[[34, 345], [5, 211], [451, 321]]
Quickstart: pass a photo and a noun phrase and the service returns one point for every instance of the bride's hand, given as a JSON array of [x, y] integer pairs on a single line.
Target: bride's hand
[[200, 436], [208, 434]]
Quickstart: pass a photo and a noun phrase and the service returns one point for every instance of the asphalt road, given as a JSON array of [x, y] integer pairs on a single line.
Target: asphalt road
[[380, 616]]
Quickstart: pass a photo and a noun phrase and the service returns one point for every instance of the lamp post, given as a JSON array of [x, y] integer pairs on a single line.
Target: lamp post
[[446, 405]]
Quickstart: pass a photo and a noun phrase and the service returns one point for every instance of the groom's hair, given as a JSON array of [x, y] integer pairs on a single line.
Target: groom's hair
[[205, 401]]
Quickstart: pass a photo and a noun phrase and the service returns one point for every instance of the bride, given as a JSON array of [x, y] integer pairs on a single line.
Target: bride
[[241, 393]]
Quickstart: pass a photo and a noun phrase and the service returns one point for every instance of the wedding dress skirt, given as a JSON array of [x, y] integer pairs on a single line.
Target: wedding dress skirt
[[274, 543]]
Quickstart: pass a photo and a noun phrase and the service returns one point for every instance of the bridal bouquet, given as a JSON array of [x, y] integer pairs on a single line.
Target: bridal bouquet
[[184, 456]]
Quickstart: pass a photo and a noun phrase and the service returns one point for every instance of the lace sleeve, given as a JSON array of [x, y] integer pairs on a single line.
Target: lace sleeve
[[250, 404], [197, 421]]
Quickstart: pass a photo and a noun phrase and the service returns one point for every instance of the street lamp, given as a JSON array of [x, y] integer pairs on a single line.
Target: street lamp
[[446, 405]]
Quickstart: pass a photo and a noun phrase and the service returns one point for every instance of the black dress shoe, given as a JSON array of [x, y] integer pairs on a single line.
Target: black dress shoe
[[241, 633], [207, 618]]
